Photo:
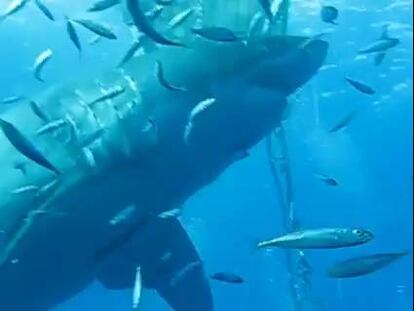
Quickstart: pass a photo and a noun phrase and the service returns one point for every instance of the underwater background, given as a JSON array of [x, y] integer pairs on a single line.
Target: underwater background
[[371, 159]]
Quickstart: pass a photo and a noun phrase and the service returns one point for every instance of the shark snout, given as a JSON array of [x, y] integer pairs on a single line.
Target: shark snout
[[289, 70]]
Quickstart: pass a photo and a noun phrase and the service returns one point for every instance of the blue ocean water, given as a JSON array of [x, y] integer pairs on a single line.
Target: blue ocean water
[[371, 159]]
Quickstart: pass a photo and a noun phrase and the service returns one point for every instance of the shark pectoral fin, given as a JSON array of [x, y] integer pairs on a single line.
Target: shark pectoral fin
[[169, 263]]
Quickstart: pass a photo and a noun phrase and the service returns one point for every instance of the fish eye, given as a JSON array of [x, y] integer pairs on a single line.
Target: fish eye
[[358, 232]]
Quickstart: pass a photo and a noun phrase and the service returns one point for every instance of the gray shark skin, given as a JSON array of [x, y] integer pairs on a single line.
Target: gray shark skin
[[59, 240]]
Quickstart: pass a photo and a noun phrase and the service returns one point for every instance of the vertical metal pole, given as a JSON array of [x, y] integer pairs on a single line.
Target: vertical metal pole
[[297, 265]]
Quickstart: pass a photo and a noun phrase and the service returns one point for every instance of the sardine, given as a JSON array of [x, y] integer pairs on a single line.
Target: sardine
[[73, 35], [180, 18], [130, 53], [344, 122], [136, 297], [101, 5], [154, 13], [163, 81], [44, 9], [364, 265], [97, 28], [25, 147], [174, 213], [184, 272], [38, 112], [123, 215], [201, 107], [41, 62], [197, 110], [48, 189], [326, 238], [330, 181], [88, 157], [111, 93], [14, 7], [219, 34], [51, 127], [12, 100], [143, 25], [381, 45], [227, 278], [361, 87], [25, 189]]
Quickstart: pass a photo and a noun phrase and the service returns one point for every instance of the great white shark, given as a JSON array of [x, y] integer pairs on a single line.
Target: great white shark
[[57, 236]]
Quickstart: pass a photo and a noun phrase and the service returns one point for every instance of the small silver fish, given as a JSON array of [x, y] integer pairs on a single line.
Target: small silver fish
[[360, 86], [219, 34], [201, 107], [14, 7], [227, 278], [110, 94], [97, 28], [330, 181], [73, 35], [130, 53], [163, 81], [12, 100], [381, 45], [52, 126], [123, 215], [344, 122], [48, 189], [184, 272], [195, 112], [136, 297], [101, 5], [180, 18], [141, 22], [38, 112], [132, 83], [174, 213], [25, 189], [88, 158], [155, 12], [325, 238], [41, 62], [364, 265], [25, 147], [44, 9]]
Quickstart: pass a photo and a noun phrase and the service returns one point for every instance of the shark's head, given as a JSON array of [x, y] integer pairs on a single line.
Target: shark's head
[[251, 82], [287, 62]]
